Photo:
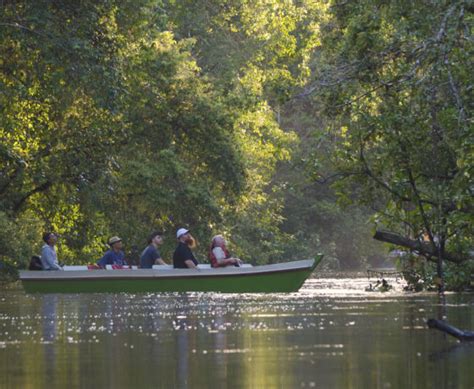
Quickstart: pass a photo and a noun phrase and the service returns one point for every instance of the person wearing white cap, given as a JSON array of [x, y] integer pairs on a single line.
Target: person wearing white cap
[[114, 256], [183, 257]]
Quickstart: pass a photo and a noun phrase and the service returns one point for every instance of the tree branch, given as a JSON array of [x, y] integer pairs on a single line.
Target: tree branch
[[43, 187], [425, 249]]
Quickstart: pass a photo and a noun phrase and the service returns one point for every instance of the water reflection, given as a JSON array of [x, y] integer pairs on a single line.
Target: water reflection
[[331, 334]]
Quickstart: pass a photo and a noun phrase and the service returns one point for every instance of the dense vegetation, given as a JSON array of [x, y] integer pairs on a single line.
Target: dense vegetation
[[291, 127]]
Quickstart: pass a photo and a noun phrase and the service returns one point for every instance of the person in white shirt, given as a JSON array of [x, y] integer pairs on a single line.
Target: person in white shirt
[[219, 256], [49, 258]]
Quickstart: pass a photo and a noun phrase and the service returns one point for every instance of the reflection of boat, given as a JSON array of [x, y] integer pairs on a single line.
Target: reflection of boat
[[280, 277]]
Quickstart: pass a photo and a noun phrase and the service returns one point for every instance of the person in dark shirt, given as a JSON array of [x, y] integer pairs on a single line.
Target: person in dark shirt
[[114, 256], [183, 257], [151, 256]]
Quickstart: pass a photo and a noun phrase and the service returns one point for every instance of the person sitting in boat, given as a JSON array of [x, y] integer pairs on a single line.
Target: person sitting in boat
[[183, 257], [151, 256], [115, 256], [219, 256], [49, 257]]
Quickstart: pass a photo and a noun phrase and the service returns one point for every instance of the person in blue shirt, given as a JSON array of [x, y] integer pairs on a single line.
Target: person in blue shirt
[[114, 256], [151, 256]]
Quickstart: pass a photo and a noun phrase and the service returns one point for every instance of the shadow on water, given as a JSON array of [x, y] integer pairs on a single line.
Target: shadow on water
[[456, 351]]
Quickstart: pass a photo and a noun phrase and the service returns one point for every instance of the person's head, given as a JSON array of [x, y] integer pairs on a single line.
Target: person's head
[[50, 238], [115, 243], [155, 238], [184, 236], [218, 241]]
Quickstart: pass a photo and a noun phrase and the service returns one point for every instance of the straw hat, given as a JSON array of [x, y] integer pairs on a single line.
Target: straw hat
[[113, 240]]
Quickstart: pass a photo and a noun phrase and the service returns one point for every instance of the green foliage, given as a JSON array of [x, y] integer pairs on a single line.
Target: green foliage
[[123, 117], [398, 113], [19, 240], [422, 275], [459, 277], [109, 126]]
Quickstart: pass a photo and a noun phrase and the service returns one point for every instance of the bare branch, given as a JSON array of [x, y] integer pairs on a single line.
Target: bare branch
[[41, 188]]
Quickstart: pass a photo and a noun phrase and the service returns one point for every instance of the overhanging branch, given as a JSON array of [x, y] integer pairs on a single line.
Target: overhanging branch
[[426, 249]]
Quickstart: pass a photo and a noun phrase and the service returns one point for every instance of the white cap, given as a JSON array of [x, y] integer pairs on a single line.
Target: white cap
[[181, 232]]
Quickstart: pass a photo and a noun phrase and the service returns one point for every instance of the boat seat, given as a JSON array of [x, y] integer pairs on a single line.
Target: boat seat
[[74, 267], [156, 267], [109, 267], [208, 266], [200, 266], [163, 267], [169, 267]]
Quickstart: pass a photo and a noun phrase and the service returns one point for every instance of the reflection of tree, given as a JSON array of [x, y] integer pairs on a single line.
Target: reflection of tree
[[263, 367], [220, 345], [182, 360], [459, 351], [182, 343]]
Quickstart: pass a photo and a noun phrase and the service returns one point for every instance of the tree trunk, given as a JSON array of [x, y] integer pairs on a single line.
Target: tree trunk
[[423, 248], [463, 336], [439, 267]]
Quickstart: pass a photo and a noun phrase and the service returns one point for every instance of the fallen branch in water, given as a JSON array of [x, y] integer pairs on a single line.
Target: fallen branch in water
[[463, 336]]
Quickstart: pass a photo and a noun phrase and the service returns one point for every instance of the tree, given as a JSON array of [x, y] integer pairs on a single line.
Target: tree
[[396, 81], [103, 113]]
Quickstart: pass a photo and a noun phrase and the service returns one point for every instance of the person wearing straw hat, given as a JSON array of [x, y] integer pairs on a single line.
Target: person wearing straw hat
[[183, 257], [115, 255]]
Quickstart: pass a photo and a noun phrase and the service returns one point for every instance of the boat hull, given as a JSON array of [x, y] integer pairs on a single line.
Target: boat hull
[[288, 277]]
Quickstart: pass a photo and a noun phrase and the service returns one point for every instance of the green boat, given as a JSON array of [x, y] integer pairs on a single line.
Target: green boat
[[275, 278]]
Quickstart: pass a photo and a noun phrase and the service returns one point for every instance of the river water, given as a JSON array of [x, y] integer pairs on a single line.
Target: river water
[[331, 334]]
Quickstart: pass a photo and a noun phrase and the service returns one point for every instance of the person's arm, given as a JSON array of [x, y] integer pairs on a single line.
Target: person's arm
[[159, 261], [104, 260], [190, 264]]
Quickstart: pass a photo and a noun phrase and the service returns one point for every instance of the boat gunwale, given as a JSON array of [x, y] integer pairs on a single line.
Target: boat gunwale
[[139, 274]]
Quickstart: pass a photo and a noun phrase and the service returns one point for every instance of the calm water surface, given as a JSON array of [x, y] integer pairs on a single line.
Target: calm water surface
[[331, 334]]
